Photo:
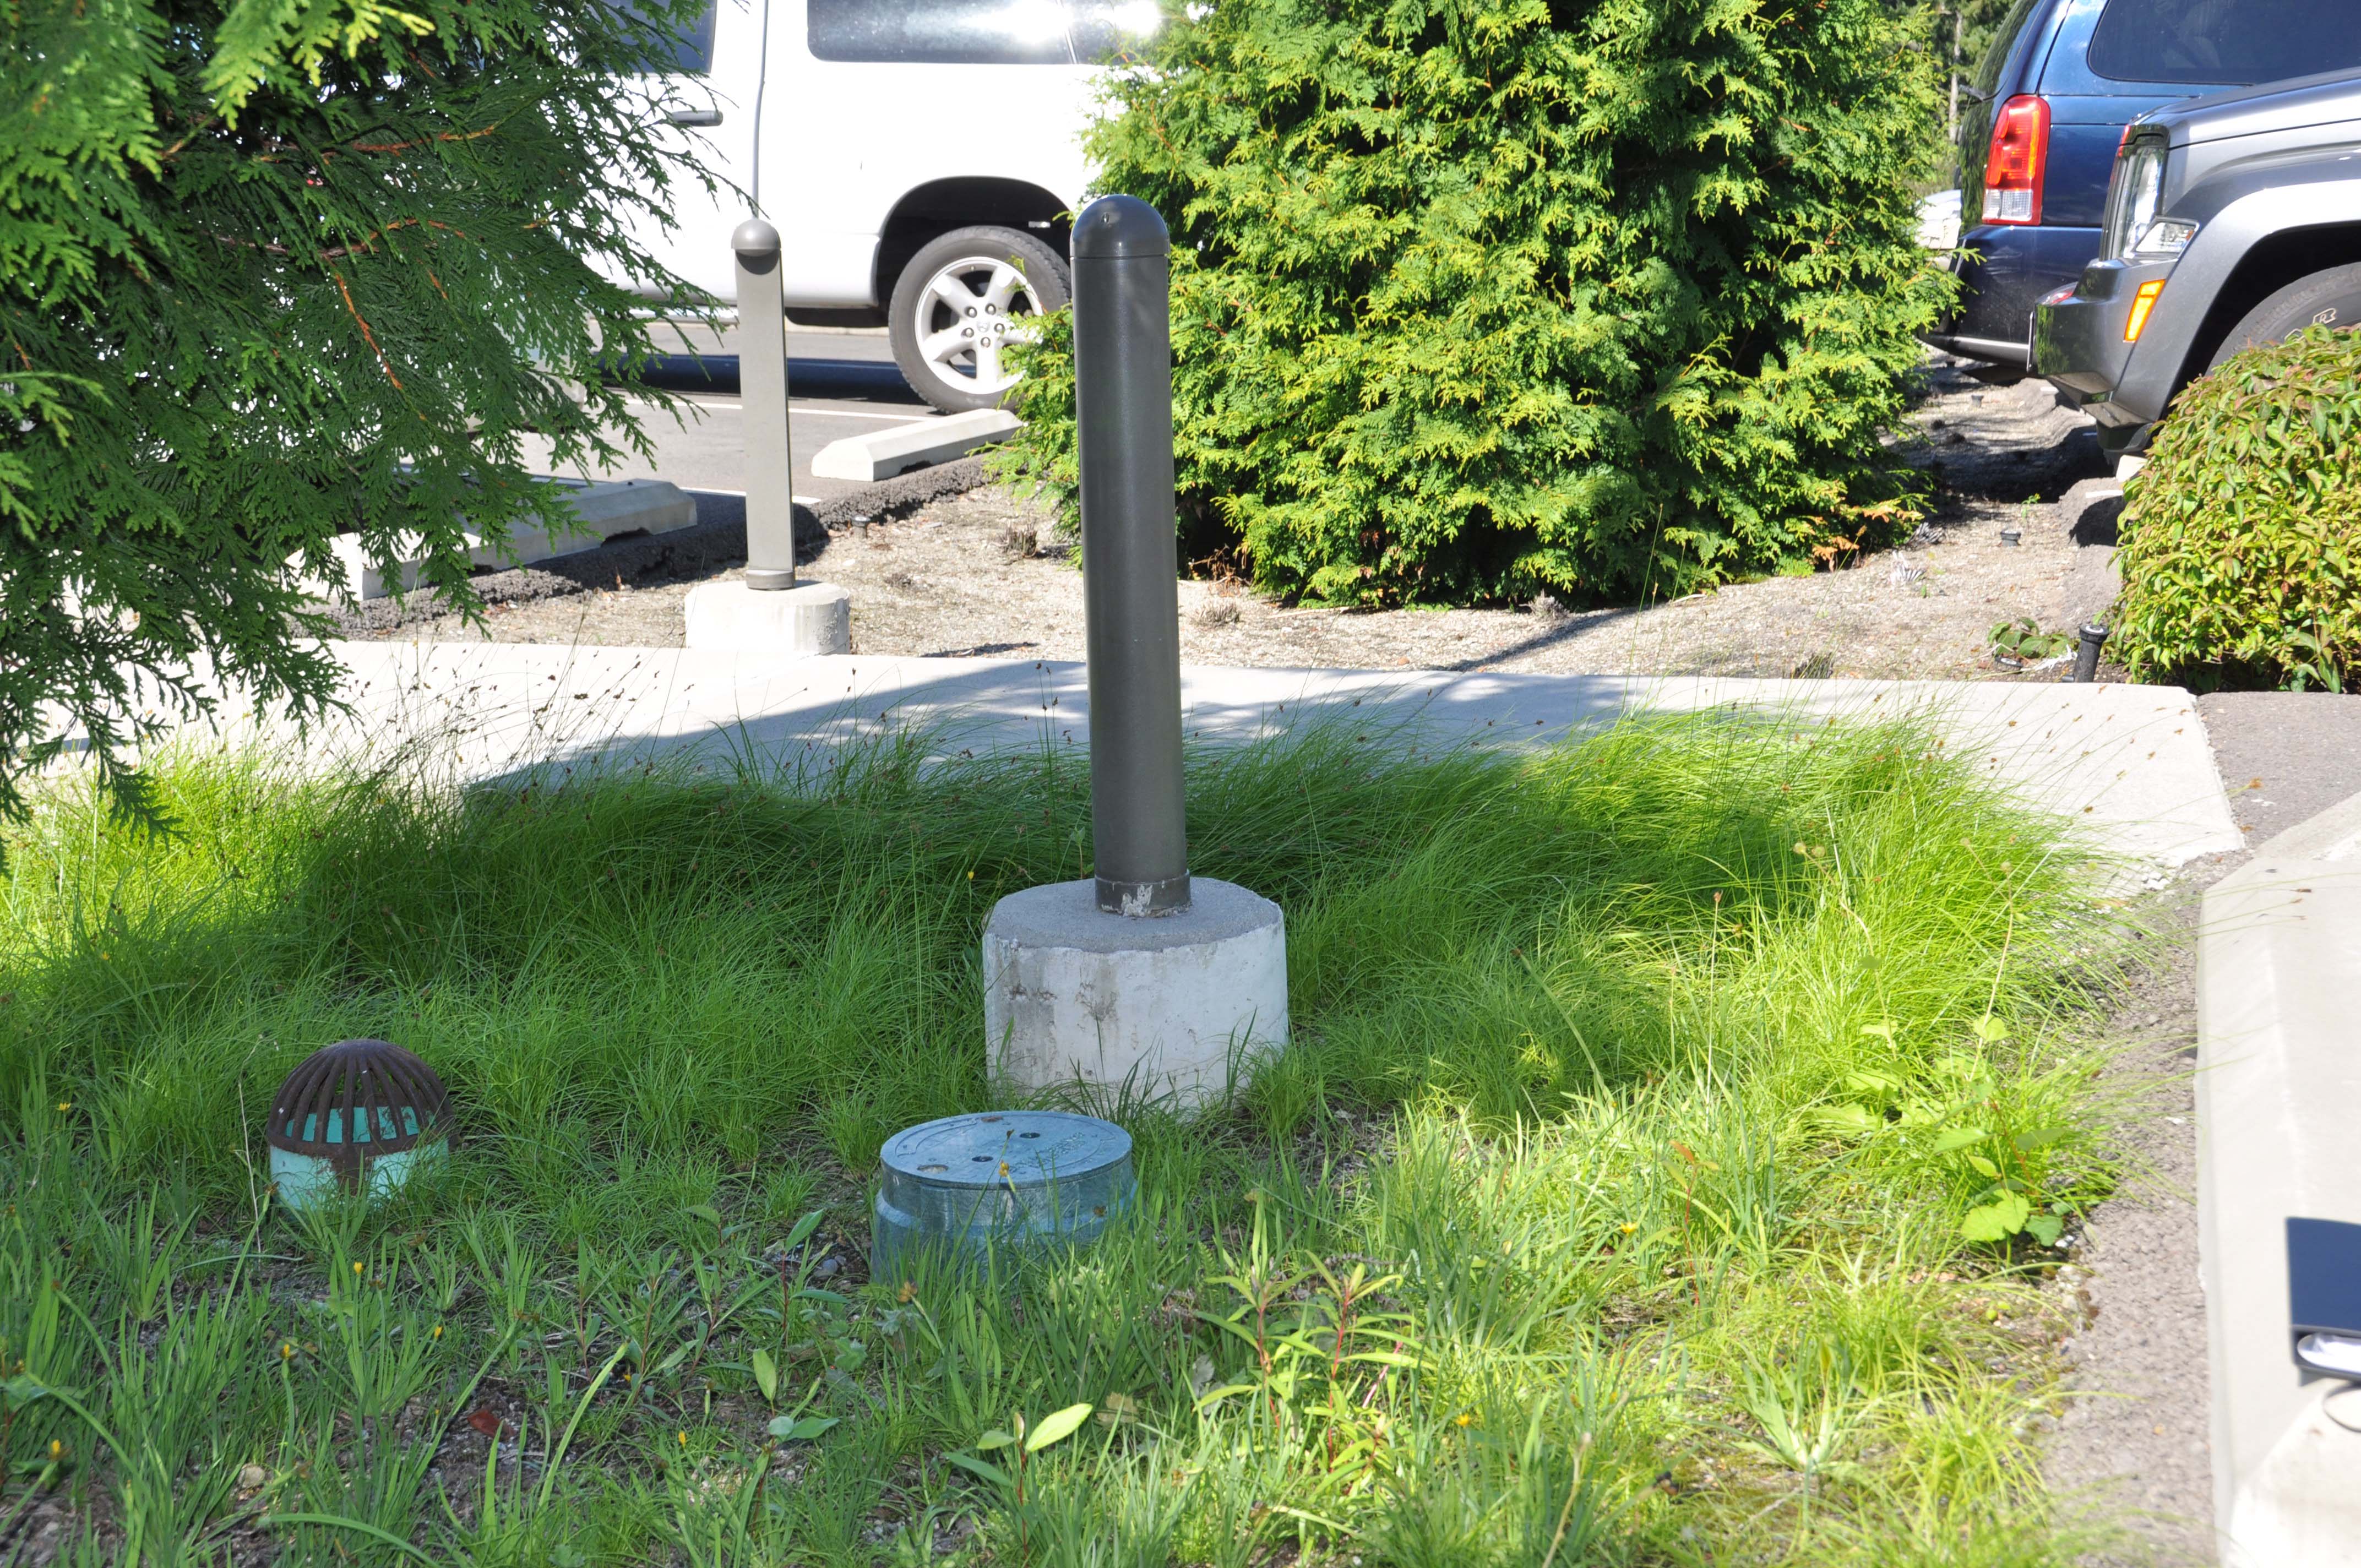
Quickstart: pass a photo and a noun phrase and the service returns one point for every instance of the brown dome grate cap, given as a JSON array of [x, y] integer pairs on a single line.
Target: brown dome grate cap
[[356, 1101]]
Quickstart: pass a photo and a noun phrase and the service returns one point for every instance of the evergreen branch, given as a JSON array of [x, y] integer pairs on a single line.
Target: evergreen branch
[[423, 141], [182, 428], [366, 336], [173, 151], [358, 248]]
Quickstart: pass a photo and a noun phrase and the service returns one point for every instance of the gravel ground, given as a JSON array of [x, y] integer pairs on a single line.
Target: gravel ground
[[2131, 1442], [978, 573]]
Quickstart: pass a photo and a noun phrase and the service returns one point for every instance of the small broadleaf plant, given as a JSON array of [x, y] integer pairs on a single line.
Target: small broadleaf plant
[[2023, 641], [2012, 1202], [1023, 1443]]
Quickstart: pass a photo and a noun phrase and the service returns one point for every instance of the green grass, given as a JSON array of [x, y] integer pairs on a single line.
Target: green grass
[[1607, 1208]]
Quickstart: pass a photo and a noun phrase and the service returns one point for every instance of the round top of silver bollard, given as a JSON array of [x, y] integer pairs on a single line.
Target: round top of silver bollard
[[1115, 229], [993, 1148], [754, 237]]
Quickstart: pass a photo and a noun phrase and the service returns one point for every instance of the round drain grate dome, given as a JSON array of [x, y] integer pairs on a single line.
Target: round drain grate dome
[[997, 1178], [358, 1114]]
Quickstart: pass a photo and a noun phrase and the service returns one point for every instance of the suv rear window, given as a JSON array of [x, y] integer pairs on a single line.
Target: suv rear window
[[2226, 42], [941, 32]]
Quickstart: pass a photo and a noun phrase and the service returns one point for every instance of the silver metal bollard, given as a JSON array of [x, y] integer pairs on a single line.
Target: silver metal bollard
[[763, 387], [1131, 555]]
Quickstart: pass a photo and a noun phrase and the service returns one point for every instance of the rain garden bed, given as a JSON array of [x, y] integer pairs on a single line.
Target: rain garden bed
[[1676, 1126]]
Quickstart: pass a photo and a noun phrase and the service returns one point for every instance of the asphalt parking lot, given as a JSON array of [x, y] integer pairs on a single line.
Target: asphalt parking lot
[[840, 382]]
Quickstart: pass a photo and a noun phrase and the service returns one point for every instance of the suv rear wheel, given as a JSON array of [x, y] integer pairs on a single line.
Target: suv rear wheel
[[961, 301], [2325, 299]]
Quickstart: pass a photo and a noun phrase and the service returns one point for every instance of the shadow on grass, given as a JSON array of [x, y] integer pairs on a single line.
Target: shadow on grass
[[686, 963]]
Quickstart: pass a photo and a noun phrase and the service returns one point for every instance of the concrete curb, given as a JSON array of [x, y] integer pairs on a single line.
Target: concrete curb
[[2333, 835], [596, 511], [2279, 1096], [716, 543]]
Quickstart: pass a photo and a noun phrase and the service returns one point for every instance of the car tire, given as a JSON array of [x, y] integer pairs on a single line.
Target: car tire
[[2325, 299], [979, 283]]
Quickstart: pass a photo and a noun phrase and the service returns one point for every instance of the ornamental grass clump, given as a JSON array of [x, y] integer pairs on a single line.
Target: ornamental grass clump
[[1609, 298], [2241, 550]]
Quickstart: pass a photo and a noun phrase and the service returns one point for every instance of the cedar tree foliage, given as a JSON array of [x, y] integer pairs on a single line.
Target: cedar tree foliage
[[274, 270], [1476, 298]]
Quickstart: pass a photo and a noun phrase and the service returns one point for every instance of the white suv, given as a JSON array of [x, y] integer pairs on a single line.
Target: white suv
[[919, 158]]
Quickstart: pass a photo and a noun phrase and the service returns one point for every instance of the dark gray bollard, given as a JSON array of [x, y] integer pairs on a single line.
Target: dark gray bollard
[[1077, 989], [2086, 657], [1131, 559], [763, 387]]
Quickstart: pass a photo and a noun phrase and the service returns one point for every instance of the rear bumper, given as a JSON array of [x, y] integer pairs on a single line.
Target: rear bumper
[[2006, 269], [2078, 343]]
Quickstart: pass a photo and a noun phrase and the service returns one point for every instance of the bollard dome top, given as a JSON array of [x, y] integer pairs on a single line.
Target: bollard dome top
[[755, 239], [1115, 229]]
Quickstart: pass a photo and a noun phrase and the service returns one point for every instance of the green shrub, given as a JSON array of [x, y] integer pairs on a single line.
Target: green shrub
[[1605, 297], [2241, 536]]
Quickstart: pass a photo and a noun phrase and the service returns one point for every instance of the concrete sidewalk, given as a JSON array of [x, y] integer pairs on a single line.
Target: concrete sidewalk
[[2129, 762]]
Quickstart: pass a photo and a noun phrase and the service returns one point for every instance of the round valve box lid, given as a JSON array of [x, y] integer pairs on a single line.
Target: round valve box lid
[[994, 1149]]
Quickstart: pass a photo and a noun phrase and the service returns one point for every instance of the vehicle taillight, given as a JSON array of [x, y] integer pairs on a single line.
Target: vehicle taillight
[[2020, 147]]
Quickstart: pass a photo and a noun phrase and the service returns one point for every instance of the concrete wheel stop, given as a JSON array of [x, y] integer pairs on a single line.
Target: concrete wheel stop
[[1138, 983]]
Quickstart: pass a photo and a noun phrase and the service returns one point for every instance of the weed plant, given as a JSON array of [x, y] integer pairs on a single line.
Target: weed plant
[[1613, 1203]]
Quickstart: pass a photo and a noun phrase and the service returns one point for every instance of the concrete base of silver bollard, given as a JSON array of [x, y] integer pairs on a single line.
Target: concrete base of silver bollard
[[796, 623], [1173, 1008]]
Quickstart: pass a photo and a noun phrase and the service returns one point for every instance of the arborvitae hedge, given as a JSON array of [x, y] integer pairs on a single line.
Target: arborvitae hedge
[[1605, 297], [270, 271], [2241, 554]]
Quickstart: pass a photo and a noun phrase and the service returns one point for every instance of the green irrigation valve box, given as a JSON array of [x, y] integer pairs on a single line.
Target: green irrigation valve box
[[360, 1115], [1005, 1179]]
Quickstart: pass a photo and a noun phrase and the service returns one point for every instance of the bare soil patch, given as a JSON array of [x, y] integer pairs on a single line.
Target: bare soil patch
[[982, 573]]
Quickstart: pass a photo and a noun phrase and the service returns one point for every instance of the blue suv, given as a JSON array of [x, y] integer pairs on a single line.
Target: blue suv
[[2051, 99]]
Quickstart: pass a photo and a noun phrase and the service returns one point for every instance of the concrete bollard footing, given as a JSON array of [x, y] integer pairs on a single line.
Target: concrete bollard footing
[[1172, 1007], [796, 623]]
